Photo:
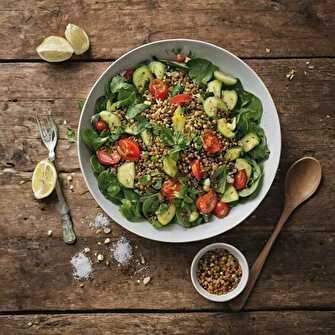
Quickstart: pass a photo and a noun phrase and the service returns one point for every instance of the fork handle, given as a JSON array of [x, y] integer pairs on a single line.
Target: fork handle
[[69, 236]]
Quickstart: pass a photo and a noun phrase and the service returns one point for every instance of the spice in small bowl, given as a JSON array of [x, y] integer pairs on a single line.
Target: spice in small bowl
[[219, 272]]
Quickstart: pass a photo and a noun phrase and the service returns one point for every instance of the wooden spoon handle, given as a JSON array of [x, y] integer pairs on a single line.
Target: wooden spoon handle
[[238, 303]]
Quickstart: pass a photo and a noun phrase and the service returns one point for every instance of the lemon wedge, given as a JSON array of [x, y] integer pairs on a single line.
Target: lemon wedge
[[77, 38], [55, 49], [44, 179]]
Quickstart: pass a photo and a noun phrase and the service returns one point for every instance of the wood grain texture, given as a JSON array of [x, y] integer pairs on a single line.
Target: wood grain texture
[[266, 323], [288, 28], [37, 274]]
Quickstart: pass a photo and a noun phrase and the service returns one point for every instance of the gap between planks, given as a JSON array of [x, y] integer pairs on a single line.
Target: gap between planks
[[161, 311]]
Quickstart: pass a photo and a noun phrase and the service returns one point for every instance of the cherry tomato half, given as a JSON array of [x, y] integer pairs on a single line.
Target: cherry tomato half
[[221, 209], [169, 188], [206, 202], [211, 142], [180, 99], [128, 74], [100, 125], [180, 58], [240, 179], [196, 169], [158, 89], [128, 149], [108, 156]]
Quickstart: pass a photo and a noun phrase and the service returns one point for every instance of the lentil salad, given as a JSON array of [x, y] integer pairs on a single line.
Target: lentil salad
[[176, 141]]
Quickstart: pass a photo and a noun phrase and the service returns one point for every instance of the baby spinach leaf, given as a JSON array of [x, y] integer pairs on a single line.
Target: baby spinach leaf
[[163, 207], [100, 104], [131, 206], [92, 139], [173, 64], [134, 110], [201, 70], [150, 205], [176, 89], [95, 165]]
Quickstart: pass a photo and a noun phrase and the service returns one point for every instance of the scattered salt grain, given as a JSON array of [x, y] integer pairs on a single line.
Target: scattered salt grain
[[101, 221], [122, 251], [107, 240], [71, 187], [311, 67], [100, 258], [146, 280], [290, 75], [69, 178], [82, 266], [65, 122], [29, 324], [267, 50], [49, 233], [87, 250]]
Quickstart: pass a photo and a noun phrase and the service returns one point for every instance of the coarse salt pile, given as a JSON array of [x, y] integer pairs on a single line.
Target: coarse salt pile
[[101, 221], [82, 266], [122, 251]]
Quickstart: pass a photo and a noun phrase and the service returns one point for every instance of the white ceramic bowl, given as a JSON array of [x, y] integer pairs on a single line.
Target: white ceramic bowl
[[227, 62], [233, 293]]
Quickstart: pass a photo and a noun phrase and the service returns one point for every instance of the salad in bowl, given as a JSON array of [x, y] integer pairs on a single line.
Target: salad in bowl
[[176, 141]]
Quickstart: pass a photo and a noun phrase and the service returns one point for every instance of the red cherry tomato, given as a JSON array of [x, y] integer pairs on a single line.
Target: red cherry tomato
[[196, 169], [211, 142], [206, 202], [221, 209], [128, 149], [128, 74], [158, 89], [108, 156], [240, 179], [169, 188], [180, 58], [180, 99], [100, 125]]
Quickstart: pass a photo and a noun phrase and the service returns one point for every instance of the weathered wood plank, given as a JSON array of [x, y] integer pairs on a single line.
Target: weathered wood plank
[[288, 28], [157, 323], [37, 274]]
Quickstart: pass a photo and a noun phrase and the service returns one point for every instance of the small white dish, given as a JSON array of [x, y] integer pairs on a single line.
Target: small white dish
[[233, 293]]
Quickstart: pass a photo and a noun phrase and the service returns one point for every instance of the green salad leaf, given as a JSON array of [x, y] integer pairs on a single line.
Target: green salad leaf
[[201, 70], [92, 139], [134, 110], [131, 206]]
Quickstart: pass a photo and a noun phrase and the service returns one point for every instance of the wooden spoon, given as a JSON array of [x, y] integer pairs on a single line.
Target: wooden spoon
[[302, 180]]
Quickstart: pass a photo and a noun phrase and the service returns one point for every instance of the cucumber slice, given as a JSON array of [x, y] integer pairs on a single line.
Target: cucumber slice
[[230, 194], [243, 164], [230, 97], [215, 87], [141, 78], [170, 166], [194, 216], [256, 177], [167, 216], [146, 137], [212, 105], [249, 141], [225, 78], [249, 190], [111, 119], [232, 153], [126, 174], [158, 69], [225, 128]]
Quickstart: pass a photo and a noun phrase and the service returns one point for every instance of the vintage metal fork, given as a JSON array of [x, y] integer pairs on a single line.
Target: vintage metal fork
[[48, 131]]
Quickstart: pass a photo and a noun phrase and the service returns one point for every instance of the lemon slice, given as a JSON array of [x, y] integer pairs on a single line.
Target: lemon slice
[[44, 179], [55, 49], [77, 38]]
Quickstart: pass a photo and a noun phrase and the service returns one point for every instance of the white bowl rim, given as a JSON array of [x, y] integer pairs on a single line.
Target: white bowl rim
[[260, 197], [242, 283]]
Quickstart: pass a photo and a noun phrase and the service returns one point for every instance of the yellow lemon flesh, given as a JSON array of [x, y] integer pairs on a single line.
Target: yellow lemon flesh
[[77, 38], [55, 49], [44, 179]]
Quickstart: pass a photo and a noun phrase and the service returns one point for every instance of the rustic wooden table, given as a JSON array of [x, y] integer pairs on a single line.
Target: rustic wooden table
[[38, 295]]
